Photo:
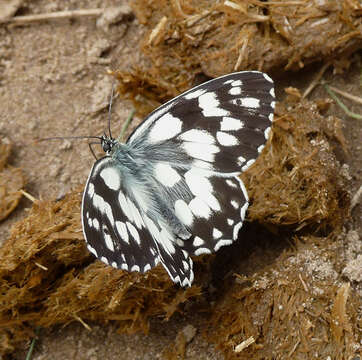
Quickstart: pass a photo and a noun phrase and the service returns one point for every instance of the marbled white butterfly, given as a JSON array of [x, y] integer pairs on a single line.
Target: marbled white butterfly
[[173, 189]]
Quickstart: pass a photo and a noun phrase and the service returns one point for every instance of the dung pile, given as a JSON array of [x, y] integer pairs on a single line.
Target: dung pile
[[48, 277], [288, 298]]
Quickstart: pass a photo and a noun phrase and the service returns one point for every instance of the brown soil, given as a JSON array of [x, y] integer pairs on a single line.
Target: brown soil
[[54, 82]]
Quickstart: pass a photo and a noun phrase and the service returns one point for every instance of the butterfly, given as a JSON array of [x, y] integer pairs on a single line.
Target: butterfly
[[172, 190]]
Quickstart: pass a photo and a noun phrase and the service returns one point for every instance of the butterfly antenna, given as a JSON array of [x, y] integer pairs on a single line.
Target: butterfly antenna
[[69, 137], [110, 111]]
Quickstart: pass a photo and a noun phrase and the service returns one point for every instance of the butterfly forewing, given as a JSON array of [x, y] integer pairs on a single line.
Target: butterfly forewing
[[173, 189], [222, 124]]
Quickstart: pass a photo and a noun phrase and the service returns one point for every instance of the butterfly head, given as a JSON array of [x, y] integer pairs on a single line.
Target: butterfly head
[[107, 143]]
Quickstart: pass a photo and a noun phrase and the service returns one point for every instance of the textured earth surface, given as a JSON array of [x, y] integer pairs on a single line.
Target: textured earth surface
[[54, 82]]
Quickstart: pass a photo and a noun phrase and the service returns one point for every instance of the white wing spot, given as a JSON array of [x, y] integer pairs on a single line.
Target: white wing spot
[[201, 151], [235, 90], [267, 77], [166, 127], [183, 212], [133, 231], [175, 279], [90, 222], [122, 231], [109, 213], [90, 190], [104, 259], [237, 227], [229, 123], [243, 188], [198, 242], [194, 94], [243, 210], [234, 204], [166, 175], [272, 104], [201, 251], [216, 233], [250, 102], [267, 132], [241, 160], [124, 267], [230, 221], [92, 250], [200, 164], [111, 178], [231, 183], [96, 223], [165, 240], [191, 273], [137, 219], [152, 228], [135, 268], [237, 83], [98, 202], [124, 205], [197, 183], [185, 264], [248, 164], [147, 267], [226, 139], [260, 148], [109, 242], [199, 208], [221, 243], [186, 282], [271, 116], [210, 105], [272, 92], [151, 119], [180, 242], [212, 202], [198, 136], [103, 207], [114, 265]]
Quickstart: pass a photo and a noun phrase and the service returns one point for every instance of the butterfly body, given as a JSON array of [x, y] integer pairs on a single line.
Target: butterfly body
[[172, 190]]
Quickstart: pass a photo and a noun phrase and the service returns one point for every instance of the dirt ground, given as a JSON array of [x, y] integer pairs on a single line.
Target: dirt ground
[[54, 82]]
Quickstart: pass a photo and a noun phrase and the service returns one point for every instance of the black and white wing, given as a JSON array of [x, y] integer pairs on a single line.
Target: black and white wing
[[178, 192], [112, 225], [222, 125], [117, 224]]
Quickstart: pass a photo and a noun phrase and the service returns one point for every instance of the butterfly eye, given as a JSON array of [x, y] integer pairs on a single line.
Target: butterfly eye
[[107, 144]]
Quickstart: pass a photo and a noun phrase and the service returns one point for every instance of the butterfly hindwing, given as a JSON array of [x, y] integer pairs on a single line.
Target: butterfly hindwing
[[117, 237], [123, 235]]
